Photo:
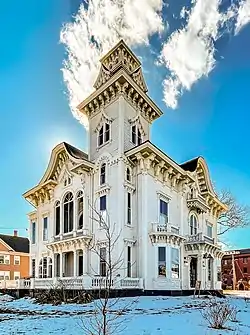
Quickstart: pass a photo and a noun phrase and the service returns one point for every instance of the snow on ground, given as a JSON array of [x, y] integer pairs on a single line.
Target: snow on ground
[[148, 316]]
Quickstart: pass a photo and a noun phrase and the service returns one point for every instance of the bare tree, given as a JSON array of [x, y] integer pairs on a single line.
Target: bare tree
[[237, 216], [106, 318]]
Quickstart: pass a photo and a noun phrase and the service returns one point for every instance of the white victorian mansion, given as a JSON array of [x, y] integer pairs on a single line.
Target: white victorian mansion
[[166, 213]]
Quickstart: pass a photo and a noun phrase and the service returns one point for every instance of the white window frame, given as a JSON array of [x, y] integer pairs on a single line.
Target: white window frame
[[158, 262], [209, 225], [104, 132], [172, 263], [45, 231], [136, 134], [33, 236], [163, 219], [16, 275], [189, 224], [4, 275], [129, 209], [17, 260], [7, 259]]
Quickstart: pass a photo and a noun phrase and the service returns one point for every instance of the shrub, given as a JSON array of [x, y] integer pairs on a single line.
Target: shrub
[[217, 314]]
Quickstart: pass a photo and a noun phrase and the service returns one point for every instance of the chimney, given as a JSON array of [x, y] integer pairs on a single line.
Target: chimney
[[15, 232]]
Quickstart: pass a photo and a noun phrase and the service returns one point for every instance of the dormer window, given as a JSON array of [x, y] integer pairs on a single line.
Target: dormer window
[[136, 135], [103, 174], [104, 134]]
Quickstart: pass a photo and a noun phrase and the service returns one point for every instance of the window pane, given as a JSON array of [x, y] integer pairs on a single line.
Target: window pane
[[134, 134], [103, 174], [139, 138], [162, 254], [107, 133], [33, 232], [163, 207], [103, 203], [209, 231], [162, 261], [57, 220], [100, 137], [175, 262]]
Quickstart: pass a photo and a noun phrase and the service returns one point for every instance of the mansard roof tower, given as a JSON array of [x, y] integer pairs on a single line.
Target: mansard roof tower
[[120, 82]]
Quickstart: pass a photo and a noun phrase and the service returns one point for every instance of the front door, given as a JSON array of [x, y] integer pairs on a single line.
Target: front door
[[193, 272]]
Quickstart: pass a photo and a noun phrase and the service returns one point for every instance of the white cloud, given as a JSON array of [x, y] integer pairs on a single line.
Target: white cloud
[[189, 52], [96, 28], [243, 17]]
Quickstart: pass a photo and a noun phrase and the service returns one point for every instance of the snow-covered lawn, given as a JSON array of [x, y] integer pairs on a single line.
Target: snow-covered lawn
[[148, 316]]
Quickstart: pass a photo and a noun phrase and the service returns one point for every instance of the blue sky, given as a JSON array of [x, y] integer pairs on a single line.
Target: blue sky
[[211, 120]]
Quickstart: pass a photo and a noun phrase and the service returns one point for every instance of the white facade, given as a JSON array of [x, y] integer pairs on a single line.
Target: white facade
[[165, 213]]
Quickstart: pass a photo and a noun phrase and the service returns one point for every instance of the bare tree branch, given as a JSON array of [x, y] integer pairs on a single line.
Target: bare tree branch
[[107, 317], [237, 216]]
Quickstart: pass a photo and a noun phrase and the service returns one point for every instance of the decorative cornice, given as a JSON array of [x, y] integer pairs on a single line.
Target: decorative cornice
[[168, 237], [120, 84], [129, 186], [198, 203], [104, 189], [80, 242]]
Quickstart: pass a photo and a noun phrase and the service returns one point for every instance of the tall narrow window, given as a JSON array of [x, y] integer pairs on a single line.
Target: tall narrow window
[[57, 217], [134, 134], [40, 269], [245, 260], [129, 205], [103, 209], [45, 229], [100, 137], [103, 174], [209, 269], [129, 262], [103, 268], [49, 267], [162, 261], [139, 137], [80, 210], [193, 225], [45, 264], [128, 174], [33, 233], [68, 214], [175, 262], [209, 230], [107, 133], [163, 212], [33, 268], [104, 134]]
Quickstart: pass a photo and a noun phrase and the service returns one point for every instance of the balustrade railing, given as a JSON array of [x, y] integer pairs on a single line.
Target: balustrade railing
[[165, 228]]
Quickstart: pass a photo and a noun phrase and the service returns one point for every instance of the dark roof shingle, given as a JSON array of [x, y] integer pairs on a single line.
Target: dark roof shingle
[[74, 152], [190, 165], [17, 243]]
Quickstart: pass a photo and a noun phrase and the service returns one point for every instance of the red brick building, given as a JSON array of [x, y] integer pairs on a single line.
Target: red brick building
[[238, 262]]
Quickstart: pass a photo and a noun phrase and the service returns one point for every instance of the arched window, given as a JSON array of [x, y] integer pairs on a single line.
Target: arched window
[[68, 213], [49, 268], [45, 267], [40, 272], [193, 224], [103, 174], [79, 210], [45, 264], [128, 174], [57, 217], [104, 134]]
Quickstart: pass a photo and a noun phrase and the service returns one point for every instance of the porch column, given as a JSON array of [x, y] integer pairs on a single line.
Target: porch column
[[75, 223], [85, 261], [62, 264], [75, 270], [200, 271]]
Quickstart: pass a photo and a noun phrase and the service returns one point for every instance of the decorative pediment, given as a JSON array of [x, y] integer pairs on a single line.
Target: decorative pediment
[[103, 77], [103, 119], [137, 121], [138, 78], [64, 156], [119, 56], [65, 176]]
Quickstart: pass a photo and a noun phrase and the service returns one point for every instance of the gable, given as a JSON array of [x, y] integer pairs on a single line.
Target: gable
[[4, 246], [63, 156]]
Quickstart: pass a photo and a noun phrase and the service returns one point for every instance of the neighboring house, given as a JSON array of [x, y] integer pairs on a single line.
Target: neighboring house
[[236, 269], [166, 212], [14, 259]]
